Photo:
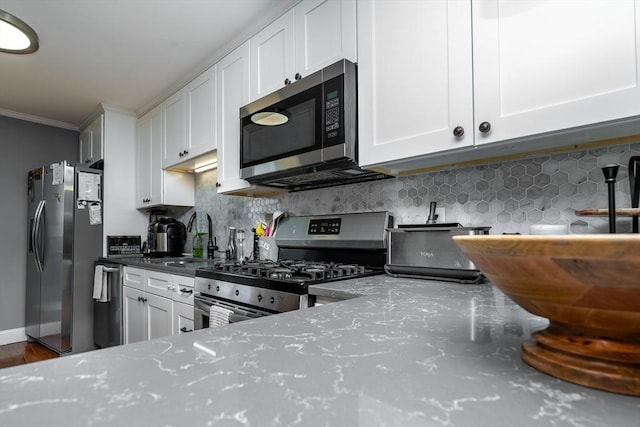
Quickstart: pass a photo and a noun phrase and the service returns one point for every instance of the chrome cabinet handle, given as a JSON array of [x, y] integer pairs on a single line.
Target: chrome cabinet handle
[[186, 291], [184, 329]]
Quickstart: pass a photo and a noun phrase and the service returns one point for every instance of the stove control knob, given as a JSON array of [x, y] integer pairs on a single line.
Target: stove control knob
[[272, 300], [259, 298]]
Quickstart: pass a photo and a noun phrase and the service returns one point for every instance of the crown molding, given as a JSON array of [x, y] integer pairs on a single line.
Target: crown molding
[[39, 120]]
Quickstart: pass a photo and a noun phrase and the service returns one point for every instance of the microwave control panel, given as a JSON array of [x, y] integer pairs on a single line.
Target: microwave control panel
[[324, 226], [333, 113]]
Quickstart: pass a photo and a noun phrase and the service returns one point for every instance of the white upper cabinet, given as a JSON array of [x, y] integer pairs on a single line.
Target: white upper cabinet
[[541, 66], [233, 93], [201, 117], [174, 116], [414, 78], [325, 32], [155, 186], [312, 35], [189, 121], [436, 77], [91, 137], [272, 51]]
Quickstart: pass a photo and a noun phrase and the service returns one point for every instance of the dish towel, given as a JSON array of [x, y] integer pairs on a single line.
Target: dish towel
[[100, 284], [218, 316]]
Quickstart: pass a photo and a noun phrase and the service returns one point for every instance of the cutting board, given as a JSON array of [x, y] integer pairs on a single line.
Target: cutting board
[[605, 212]]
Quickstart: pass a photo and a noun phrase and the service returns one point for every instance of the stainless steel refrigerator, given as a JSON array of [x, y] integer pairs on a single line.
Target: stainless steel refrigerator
[[64, 240]]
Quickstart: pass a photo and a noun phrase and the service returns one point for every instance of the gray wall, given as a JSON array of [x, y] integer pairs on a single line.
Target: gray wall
[[508, 196], [23, 146]]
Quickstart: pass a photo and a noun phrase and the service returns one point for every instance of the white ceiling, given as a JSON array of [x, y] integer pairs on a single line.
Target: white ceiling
[[127, 54]]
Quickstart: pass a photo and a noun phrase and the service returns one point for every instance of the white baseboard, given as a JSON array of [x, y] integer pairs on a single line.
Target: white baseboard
[[12, 335]]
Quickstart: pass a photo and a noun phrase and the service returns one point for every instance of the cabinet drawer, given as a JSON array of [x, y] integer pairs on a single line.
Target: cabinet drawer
[[183, 289], [133, 277], [159, 283]]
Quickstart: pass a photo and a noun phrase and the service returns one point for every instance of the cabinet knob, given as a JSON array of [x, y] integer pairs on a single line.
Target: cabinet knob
[[169, 287], [287, 82], [181, 154], [144, 300], [484, 127], [186, 152], [218, 184], [458, 131], [298, 76]]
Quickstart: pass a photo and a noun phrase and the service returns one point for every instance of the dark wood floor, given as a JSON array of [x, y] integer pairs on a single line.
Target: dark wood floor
[[23, 352]]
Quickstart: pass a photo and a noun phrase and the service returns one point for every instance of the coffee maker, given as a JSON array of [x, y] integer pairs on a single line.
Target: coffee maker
[[166, 236]]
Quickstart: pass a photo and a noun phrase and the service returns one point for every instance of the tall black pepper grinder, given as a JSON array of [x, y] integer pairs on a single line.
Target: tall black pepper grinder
[[610, 172]]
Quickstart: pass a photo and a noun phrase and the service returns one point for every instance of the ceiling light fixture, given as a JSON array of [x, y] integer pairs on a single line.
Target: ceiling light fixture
[[15, 35]]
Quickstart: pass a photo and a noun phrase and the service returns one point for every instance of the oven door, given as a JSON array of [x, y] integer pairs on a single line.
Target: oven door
[[202, 308]]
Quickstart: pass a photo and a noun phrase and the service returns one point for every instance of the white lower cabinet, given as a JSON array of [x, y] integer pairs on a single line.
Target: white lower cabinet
[[182, 318], [156, 304]]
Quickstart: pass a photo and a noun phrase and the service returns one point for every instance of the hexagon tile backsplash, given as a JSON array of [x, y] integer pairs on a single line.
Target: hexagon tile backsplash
[[508, 196]]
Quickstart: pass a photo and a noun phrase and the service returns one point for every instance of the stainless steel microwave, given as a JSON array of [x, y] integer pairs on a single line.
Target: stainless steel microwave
[[304, 135]]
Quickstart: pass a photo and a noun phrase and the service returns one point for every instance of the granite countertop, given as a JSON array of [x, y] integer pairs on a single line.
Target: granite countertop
[[405, 352], [183, 266]]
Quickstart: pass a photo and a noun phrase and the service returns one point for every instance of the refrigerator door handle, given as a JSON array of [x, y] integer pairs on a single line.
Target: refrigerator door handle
[[36, 237]]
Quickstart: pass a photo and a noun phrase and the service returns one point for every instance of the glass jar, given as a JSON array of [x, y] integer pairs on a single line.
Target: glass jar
[[198, 245]]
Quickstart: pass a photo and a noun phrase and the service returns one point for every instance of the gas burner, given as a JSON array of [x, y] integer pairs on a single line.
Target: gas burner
[[280, 273]]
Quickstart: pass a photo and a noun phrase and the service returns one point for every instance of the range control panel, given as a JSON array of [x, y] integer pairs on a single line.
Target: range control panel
[[324, 226]]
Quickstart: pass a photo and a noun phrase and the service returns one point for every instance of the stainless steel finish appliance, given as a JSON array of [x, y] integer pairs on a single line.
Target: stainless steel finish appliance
[[304, 135], [64, 239], [428, 251], [166, 237], [107, 316], [312, 250]]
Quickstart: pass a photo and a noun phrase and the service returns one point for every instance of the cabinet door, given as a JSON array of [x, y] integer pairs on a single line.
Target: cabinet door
[[272, 53], [233, 93], [414, 78], [97, 136], [182, 318], [143, 163], [325, 32], [174, 132], [541, 66], [85, 146], [158, 283], [200, 94], [133, 311], [159, 316]]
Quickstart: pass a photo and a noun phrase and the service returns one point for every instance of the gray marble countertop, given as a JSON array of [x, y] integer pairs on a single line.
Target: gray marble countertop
[[406, 352], [183, 266]]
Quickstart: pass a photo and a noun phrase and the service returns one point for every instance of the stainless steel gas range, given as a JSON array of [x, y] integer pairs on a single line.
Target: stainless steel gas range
[[312, 250]]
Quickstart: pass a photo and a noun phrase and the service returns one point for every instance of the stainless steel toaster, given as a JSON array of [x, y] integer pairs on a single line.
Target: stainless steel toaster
[[428, 251]]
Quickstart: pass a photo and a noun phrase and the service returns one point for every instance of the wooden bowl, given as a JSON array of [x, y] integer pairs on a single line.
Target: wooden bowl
[[588, 286]]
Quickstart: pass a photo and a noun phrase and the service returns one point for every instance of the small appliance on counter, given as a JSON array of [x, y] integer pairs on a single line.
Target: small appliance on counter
[[166, 237], [124, 246], [427, 251]]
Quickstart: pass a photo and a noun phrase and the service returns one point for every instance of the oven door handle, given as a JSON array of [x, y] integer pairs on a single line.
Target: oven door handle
[[234, 318]]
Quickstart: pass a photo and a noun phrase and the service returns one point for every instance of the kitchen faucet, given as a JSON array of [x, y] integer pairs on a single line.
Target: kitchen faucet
[[211, 243]]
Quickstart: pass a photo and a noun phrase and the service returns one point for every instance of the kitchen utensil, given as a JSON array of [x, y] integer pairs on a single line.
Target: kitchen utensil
[[232, 249], [431, 219], [277, 215], [634, 188], [240, 234], [610, 172], [587, 286]]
